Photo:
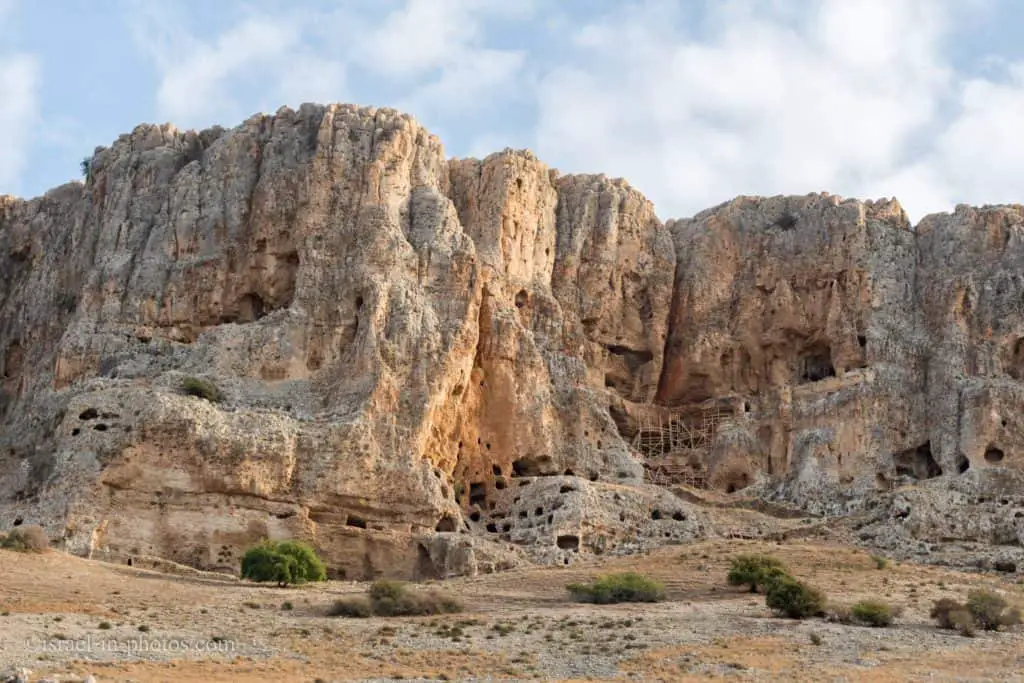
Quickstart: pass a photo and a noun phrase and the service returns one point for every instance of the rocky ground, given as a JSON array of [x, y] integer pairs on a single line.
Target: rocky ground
[[66, 618]]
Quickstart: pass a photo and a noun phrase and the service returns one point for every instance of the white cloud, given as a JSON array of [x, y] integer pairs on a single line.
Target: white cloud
[[770, 102], [211, 81], [435, 54], [19, 107], [195, 88], [440, 50], [857, 97]]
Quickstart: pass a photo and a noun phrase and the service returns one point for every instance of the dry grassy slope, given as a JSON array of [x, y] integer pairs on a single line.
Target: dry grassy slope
[[706, 631]]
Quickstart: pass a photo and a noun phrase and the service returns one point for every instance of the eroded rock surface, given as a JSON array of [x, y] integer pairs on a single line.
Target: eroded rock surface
[[433, 367]]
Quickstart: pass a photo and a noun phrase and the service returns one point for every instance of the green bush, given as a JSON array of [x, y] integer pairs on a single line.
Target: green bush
[[873, 613], [194, 386], [308, 567], [990, 610], [613, 588], [26, 539], [880, 562], [794, 599], [755, 571], [283, 563], [394, 599]]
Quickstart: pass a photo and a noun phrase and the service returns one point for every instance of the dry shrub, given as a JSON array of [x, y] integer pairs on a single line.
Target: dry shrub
[[26, 539]]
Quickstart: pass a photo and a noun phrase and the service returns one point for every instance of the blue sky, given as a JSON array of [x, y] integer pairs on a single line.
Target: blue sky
[[693, 102]]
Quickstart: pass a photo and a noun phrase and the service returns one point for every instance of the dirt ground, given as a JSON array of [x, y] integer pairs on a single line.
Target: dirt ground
[[65, 618]]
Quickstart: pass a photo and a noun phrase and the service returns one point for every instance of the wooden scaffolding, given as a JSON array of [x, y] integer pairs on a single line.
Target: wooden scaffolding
[[675, 442]]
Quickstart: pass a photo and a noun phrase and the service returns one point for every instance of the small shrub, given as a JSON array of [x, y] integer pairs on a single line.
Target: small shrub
[[880, 562], [394, 599], [963, 621], [990, 610], [754, 571], [614, 588], [942, 612], [353, 608], [26, 539], [143, 628], [105, 626], [286, 562], [794, 599], [816, 639], [840, 614], [874, 613], [287, 606], [194, 386]]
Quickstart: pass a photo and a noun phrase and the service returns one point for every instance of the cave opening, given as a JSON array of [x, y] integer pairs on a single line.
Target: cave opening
[[533, 467], [251, 307], [917, 463], [477, 493], [522, 298], [815, 364], [568, 542], [994, 455], [962, 463], [446, 525]]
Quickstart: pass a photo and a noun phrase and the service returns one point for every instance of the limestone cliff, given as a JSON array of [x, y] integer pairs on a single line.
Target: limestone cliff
[[436, 366]]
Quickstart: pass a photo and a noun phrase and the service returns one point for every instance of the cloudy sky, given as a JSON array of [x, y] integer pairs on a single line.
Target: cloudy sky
[[693, 101]]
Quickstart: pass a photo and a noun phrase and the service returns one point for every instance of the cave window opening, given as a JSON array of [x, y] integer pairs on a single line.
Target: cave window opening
[[568, 542], [532, 467], [359, 303], [962, 463], [477, 493], [496, 469], [994, 454], [816, 364], [446, 524], [474, 516], [917, 463], [251, 307], [355, 522], [522, 298]]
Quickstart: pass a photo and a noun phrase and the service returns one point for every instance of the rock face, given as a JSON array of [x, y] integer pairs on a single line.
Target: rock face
[[433, 366], [403, 344]]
